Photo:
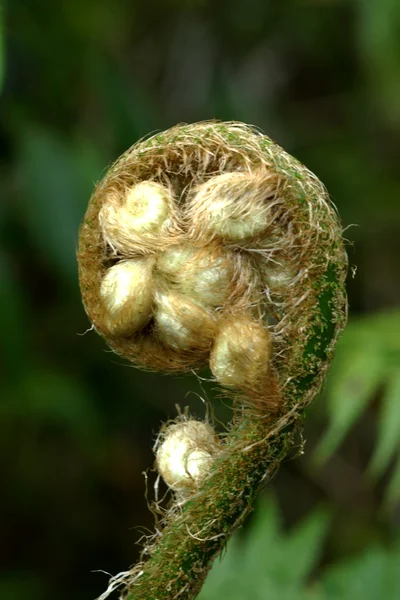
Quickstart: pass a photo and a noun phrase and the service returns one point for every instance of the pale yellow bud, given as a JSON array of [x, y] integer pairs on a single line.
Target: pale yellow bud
[[182, 324], [234, 206], [144, 212], [206, 277], [185, 454], [240, 354], [126, 292]]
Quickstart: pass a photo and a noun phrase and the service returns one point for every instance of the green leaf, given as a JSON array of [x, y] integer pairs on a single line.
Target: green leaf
[[393, 489], [367, 357], [363, 578], [219, 579], [389, 427], [303, 546], [249, 556], [354, 379], [278, 566], [385, 327], [263, 535], [266, 563]]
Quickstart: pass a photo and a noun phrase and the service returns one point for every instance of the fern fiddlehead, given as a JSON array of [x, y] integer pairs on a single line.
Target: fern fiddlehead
[[208, 244]]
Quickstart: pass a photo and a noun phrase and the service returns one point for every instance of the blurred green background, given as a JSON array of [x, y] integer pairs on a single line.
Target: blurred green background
[[81, 82]]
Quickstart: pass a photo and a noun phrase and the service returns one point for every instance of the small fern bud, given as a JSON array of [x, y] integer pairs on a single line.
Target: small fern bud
[[240, 354], [206, 277], [127, 295], [185, 454], [232, 206], [182, 324], [142, 213]]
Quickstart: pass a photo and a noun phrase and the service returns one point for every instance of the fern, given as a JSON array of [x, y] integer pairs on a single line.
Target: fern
[[219, 196]]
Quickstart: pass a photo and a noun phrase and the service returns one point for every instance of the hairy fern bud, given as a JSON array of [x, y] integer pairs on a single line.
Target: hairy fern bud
[[185, 452]]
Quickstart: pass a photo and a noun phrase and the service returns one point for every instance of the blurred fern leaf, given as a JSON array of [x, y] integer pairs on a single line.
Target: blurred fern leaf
[[389, 427], [393, 489], [373, 574], [353, 382], [367, 361], [270, 564]]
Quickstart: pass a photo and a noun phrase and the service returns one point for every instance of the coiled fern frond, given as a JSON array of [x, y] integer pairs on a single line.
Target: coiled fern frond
[[208, 244]]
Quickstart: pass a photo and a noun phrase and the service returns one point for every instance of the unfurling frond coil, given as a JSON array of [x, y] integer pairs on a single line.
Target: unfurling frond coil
[[208, 244]]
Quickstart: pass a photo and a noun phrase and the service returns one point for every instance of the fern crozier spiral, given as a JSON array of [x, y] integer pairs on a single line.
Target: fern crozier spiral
[[209, 245]]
